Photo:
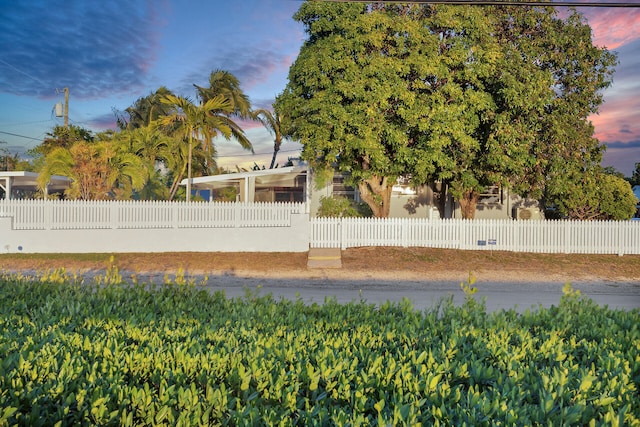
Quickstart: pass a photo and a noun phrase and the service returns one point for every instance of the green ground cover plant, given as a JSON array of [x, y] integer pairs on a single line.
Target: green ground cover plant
[[111, 353]]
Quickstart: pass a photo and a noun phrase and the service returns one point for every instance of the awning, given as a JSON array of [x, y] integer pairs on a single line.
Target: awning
[[279, 177], [11, 181], [264, 178]]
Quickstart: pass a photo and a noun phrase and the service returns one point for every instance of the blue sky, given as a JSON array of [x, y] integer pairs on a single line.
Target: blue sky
[[111, 53]]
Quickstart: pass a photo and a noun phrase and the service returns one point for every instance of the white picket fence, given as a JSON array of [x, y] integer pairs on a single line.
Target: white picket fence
[[82, 215], [593, 237], [585, 237]]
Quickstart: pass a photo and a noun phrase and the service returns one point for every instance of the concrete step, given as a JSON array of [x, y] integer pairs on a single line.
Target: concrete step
[[324, 258]]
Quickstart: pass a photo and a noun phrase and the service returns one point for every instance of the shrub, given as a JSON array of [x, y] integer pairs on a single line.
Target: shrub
[[338, 207], [119, 354]]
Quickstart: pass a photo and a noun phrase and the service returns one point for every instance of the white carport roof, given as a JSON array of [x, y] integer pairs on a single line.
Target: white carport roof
[[279, 177], [23, 180]]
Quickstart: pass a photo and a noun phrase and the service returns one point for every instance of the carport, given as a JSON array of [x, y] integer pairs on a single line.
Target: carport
[[13, 181], [250, 184]]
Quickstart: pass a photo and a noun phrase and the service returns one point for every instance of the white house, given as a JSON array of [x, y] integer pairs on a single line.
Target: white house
[[290, 184], [287, 184]]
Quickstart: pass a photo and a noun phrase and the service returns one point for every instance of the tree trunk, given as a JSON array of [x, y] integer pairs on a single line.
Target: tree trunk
[[468, 204], [189, 169], [276, 148], [174, 186], [441, 200], [376, 192]]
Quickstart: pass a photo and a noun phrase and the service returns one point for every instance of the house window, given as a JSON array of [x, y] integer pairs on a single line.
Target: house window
[[340, 189], [288, 194], [492, 195]]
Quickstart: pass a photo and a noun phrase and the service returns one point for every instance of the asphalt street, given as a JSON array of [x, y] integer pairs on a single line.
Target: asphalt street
[[498, 295]]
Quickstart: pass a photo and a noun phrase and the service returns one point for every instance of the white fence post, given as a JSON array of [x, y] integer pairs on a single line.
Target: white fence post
[[48, 213]]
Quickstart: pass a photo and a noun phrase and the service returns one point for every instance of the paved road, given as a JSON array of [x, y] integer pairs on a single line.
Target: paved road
[[518, 295], [423, 294]]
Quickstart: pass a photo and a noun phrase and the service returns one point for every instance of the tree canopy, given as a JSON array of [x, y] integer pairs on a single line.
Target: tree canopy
[[467, 95], [144, 111]]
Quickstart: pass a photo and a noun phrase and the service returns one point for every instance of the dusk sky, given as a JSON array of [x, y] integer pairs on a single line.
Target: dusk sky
[[111, 53]]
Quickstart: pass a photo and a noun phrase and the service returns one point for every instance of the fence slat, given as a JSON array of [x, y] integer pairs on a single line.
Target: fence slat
[[551, 236], [79, 214]]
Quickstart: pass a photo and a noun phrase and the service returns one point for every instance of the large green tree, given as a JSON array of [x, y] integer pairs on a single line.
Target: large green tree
[[64, 137], [346, 81], [471, 96]]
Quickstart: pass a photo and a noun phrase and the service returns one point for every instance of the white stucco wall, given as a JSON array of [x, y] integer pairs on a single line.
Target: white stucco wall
[[250, 239]]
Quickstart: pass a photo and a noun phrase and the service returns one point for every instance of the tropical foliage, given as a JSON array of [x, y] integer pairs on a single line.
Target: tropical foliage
[[189, 121], [161, 139], [98, 170], [273, 123], [144, 111], [469, 96], [174, 354], [63, 137]]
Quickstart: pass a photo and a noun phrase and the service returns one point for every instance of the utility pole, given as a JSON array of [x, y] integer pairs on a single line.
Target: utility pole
[[66, 107]]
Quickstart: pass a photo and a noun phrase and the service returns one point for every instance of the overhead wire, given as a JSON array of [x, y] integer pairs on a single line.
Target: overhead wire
[[23, 73], [18, 135]]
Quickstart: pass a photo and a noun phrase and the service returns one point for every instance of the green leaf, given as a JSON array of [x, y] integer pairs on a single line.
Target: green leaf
[[586, 382]]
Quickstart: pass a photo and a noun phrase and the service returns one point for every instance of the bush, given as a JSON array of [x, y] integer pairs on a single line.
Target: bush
[[339, 207], [174, 354]]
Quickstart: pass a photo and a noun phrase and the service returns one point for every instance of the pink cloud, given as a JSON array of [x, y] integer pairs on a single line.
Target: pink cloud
[[249, 124], [618, 117], [614, 27]]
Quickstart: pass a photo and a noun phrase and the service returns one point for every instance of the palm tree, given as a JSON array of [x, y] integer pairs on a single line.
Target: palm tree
[[226, 84], [143, 148], [144, 111], [201, 122], [272, 122]]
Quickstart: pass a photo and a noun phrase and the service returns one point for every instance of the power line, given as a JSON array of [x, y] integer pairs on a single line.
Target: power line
[[19, 136], [237, 155], [500, 3], [24, 73]]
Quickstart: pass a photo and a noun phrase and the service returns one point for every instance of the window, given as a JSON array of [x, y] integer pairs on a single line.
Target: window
[[340, 189], [492, 195]]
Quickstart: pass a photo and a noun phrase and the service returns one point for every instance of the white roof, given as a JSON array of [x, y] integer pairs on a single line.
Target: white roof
[[23, 180], [274, 177]]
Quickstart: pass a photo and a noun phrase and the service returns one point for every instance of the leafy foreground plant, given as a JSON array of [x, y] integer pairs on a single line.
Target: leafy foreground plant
[[114, 354]]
